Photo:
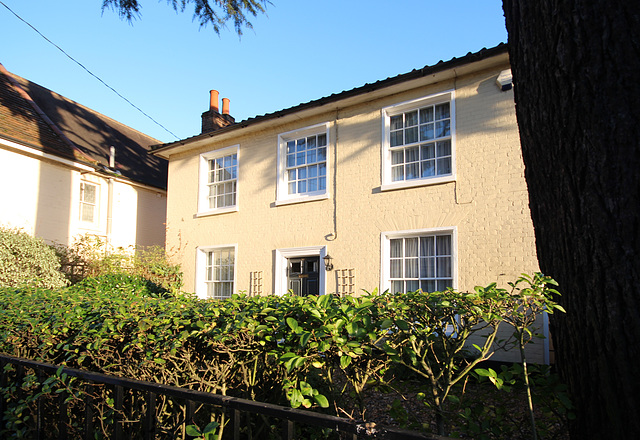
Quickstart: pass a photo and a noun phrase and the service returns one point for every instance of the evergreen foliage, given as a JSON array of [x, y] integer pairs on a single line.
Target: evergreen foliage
[[27, 261], [208, 12]]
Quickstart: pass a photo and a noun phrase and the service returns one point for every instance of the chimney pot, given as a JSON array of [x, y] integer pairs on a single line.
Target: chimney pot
[[225, 106], [213, 101]]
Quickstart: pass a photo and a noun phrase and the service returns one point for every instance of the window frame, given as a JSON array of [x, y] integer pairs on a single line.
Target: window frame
[[385, 251], [203, 181], [404, 107], [201, 266], [96, 205], [282, 195]]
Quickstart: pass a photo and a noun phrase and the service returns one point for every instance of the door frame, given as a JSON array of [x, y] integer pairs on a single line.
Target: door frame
[[280, 270]]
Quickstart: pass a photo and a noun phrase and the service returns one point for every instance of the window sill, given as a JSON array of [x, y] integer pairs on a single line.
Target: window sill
[[216, 212], [416, 182], [302, 199]]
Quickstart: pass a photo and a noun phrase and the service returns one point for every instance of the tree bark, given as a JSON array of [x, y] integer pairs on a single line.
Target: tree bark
[[576, 67]]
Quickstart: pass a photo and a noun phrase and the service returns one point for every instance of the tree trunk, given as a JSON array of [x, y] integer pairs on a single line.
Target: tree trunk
[[576, 67]]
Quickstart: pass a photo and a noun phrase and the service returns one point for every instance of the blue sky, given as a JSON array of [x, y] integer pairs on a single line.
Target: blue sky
[[299, 51]]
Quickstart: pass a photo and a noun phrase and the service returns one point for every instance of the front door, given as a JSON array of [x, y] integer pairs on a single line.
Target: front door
[[303, 275]]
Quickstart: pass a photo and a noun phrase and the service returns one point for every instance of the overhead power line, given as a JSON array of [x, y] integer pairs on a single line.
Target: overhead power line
[[88, 71]]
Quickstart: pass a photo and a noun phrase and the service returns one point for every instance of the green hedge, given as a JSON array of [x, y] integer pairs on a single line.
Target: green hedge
[[27, 261], [320, 352]]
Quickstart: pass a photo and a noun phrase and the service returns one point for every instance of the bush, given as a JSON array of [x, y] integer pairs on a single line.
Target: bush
[[89, 256], [324, 352], [27, 261]]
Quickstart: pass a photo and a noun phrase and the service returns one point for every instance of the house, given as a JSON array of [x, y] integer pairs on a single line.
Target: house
[[412, 182], [68, 171]]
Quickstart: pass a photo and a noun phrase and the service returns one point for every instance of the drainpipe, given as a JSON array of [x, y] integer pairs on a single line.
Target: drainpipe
[[112, 165]]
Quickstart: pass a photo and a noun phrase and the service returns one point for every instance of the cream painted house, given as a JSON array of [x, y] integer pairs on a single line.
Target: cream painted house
[[413, 182], [68, 171]]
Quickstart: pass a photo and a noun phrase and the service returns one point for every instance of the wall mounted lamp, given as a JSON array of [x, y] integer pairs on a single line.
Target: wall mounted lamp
[[328, 262]]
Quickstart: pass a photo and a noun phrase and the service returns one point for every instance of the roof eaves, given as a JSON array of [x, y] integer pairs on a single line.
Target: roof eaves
[[366, 88]]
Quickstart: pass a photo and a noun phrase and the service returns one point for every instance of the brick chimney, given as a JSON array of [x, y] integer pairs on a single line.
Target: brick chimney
[[212, 120]]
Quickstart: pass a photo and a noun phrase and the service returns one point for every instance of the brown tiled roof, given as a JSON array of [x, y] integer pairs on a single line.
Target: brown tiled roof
[[71, 130], [20, 122]]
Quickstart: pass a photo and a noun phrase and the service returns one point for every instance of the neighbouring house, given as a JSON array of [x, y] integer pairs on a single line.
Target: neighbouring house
[[412, 182], [68, 171]]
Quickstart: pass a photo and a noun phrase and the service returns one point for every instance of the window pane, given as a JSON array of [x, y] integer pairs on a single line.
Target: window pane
[[292, 175], [428, 168], [322, 183], [302, 186], [443, 284], [397, 173], [301, 145], [413, 171], [396, 138], [411, 247], [322, 169], [396, 268], [444, 148], [411, 118], [322, 140], [443, 244], [313, 185], [395, 248], [428, 151], [412, 154], [413, 285], [443, 265], [313, 171], [411, 268], [411, 135], [442, 111], [428, 286], [427, 267], [291, 160], [443, 128], [292, 188], [397, 287], [426, 247], [300, 158], [395, 122], [426, 115], [291, 147], [444, 166], [86, 213], [89, 193], [311, 156], [311, 142], [322, 154], [302, 173], [397, 157], [426, 132]]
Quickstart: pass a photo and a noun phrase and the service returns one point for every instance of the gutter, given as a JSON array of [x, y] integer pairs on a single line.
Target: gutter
[[367, 88]]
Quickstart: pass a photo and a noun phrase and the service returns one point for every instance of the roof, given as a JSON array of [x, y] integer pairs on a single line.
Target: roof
[[484, 53], [42, 119]]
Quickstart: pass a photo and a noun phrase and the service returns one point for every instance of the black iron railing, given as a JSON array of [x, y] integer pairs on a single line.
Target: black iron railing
[[292, 422]]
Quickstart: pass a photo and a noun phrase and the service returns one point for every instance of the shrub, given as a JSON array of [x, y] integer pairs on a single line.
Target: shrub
[[89, 256], [27, 261]]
